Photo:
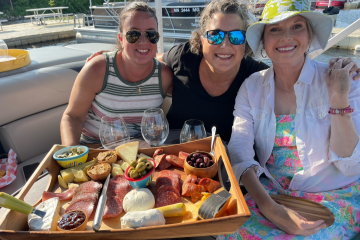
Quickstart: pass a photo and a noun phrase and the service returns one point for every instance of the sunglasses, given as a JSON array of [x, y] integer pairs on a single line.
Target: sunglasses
[[134, 35], [215, 37]]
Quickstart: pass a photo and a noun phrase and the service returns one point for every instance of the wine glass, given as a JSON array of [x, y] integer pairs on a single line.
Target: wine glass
[[193, 129], [113, 131], [154, 126]]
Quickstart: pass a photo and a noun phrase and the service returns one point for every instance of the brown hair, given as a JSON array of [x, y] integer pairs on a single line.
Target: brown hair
[[224, 7], [128, 10]]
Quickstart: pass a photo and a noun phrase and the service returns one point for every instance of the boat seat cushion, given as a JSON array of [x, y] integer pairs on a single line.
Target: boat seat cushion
[[33, 135]]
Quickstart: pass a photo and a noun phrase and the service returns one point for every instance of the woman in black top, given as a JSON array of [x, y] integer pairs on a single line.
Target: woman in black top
[[207, 77]]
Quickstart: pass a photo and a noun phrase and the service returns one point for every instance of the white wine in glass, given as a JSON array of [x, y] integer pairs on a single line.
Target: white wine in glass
[[113, 131], [154, 127]]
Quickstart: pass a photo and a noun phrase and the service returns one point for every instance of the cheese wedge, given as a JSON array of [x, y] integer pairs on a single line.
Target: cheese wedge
[[124, 166], [68, 175], [52, 209], [70, 185], [116, 170], [128, 151], [62, 183], [80, 176]]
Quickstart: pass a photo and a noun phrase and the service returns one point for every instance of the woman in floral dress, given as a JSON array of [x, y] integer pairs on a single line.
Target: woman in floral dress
[[304, 120]]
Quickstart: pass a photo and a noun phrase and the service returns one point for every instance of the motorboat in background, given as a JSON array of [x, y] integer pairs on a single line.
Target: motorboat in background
[[334, 3], [180, 18]]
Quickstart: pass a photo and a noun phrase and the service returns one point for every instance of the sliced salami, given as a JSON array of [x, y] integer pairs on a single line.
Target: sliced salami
[[174, 160], [113, 207], [188, 189], [164, 164], [159, 158], [166, 188], [164, 180], [191, 179], [83, 205], [210, 185], [91, 197], [167, 198], [196, 194], [88, 187], [169, 173]]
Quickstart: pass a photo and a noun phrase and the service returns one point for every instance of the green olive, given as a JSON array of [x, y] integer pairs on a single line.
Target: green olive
[[133, 164], [134, 174], [149, 166], [130, 169], [143, 159], [140, 167], [143, 173]]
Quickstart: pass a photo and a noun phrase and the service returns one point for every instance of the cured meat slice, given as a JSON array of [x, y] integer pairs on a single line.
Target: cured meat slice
[[83, 205], [91, 197], [164, 164], [174, 160], [191, 179], [169, 173], [158, 152], [159, 158], [167, 198], [165, 180], [113, 207], [117, 189], [88, 187], [67, 195], [166, 188], [183, 155], [188, 189], [210, 185], [196, 194]]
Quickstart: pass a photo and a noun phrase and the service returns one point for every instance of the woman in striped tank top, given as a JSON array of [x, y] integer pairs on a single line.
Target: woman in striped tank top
[[124, 82]]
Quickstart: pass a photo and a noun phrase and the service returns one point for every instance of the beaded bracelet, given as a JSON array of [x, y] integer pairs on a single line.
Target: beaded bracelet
[[341, 111]]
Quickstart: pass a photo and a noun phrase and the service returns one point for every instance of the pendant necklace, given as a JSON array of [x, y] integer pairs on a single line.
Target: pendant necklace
[[139, 85]]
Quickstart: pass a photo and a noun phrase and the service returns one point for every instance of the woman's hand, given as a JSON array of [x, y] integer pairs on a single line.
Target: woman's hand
[[338, 82], [290, 221], [96, 54], [345, 62]]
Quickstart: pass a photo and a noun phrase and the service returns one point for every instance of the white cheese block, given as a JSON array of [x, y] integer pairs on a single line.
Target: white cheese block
[[128, 151], [144, 155], [140, 199], [152, 217], [52, 209]]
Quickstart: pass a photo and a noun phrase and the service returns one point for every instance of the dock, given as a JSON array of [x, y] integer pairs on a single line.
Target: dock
[[22, 34]]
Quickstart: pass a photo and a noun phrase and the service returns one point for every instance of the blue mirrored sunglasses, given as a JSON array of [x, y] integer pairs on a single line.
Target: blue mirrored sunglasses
[[215, 37]]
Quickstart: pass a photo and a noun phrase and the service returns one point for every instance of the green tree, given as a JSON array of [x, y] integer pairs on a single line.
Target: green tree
[[52, 3]]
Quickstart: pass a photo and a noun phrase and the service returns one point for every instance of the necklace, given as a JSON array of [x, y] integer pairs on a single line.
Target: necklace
[[139, 85]]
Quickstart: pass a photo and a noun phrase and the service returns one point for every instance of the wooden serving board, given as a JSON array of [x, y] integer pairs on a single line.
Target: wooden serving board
[[14, 225], [310, 210]]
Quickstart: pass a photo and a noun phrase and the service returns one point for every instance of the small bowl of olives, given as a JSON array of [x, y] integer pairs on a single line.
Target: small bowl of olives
[[201, 164], [140, 173]]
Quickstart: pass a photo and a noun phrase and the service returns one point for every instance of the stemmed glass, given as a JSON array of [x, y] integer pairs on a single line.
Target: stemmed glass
[[193, 129], [154, 126], [113, 131]]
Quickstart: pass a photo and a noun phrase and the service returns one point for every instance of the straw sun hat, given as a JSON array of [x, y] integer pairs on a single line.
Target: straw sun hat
[[279, 10]]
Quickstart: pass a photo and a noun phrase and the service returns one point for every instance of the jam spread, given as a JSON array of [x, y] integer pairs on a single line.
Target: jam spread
[[71, 220]]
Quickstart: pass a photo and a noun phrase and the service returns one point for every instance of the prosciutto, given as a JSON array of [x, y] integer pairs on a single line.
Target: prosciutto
[[67, 195]]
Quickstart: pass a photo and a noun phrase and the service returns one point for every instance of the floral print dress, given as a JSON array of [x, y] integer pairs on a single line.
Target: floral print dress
[[283, 163]]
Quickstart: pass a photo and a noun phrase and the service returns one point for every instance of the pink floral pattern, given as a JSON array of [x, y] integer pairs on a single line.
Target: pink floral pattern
[[283, 163]]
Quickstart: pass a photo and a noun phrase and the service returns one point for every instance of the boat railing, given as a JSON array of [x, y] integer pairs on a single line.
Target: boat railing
[[337, 38]]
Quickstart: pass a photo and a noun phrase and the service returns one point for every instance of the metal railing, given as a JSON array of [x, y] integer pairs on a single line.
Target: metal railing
[[337, 38]]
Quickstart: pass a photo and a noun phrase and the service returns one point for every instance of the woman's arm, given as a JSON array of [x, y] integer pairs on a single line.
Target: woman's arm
[[87, 84], [167, 79], [344, 138]]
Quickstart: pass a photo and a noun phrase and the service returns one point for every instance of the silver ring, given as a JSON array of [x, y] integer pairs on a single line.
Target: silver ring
[[331, 70]]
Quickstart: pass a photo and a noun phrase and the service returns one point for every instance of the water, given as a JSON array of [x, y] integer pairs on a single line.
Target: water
[[62, 42]]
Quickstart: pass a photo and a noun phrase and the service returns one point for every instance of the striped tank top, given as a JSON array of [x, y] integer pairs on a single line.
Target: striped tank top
[[121, 97]]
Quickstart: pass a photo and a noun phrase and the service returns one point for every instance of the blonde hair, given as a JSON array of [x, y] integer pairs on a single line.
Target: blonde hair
[[223, 7], [128, 10]]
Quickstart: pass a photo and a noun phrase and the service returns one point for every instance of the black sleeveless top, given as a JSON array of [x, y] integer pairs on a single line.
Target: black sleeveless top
[[191, 101]]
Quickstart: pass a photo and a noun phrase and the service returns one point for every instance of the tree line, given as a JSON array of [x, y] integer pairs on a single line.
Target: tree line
[[16, 9]]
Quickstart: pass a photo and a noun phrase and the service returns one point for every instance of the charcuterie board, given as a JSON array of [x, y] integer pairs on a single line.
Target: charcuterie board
[[14, 225]]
